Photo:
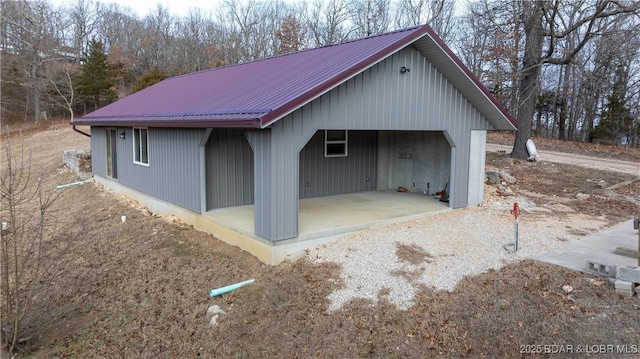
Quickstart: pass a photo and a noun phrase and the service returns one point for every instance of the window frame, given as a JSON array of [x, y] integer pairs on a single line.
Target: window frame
[[138, 152], [344, 143]]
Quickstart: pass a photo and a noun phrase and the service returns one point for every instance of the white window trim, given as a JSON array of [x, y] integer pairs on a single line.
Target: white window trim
[[136, 148], [345, 142]]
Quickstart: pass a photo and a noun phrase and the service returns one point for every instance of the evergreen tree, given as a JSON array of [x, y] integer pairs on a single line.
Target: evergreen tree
[[97, 77], [616, 122], [13, 93], [151, 77]]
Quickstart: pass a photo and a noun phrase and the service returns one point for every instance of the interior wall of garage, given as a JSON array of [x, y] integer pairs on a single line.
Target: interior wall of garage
[[326, 176], [413, 159]]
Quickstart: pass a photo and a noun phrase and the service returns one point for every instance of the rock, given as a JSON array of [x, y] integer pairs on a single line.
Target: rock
[[215, 310], [493, 177], [583, 196], [567, 288], [214, 320], [509, 179], [505, 191]]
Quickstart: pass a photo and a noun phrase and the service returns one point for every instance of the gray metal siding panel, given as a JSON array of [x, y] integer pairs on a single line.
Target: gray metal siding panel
[[229, 169], [276, 181], [382, 98], [174, 164], [327, 176], [98, 151]]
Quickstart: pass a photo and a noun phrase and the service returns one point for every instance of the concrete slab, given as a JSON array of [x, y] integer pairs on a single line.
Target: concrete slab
[[597, 248], [331, 215]]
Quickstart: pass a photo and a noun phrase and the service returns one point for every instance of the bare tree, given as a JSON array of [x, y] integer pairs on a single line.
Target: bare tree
[[160, 29], [193, 43], [325, 21], [544, 32], [31, 32], [437, 14], [490, 42], [63, 85], [85, 20], [32, 249], [370, 17]]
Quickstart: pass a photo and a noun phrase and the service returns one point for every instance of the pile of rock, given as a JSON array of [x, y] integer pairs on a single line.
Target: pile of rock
[[501, 180]]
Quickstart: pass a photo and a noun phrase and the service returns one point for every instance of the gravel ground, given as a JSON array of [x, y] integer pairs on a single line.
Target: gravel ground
[[450, 246]]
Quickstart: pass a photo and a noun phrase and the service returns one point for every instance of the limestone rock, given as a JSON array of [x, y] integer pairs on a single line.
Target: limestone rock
[[509, 179], [493, 177], [583, 196], [215, 310], [505, 191]]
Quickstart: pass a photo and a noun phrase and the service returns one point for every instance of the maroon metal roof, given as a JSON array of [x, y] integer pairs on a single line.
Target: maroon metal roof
[[257, 93]]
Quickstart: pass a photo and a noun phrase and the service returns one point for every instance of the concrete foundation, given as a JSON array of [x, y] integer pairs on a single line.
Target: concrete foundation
[[321, 219]]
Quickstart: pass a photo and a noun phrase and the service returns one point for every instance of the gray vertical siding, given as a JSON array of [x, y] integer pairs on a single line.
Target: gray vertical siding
[[380, 98], [98, 151], [229, 168], [276, 183], [173, 171], [324, 176]]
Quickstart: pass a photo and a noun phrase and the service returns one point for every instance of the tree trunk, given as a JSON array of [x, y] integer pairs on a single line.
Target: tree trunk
[[529, 88], [35, 91], [561, 101]]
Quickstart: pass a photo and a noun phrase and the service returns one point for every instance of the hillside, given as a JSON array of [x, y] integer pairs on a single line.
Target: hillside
[[139, 287]]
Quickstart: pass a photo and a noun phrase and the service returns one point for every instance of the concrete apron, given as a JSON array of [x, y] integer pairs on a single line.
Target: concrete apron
[[598, 247], [320, 220]]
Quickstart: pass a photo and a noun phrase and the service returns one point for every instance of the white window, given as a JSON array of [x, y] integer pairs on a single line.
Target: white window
[[335, 143], [141, 146]]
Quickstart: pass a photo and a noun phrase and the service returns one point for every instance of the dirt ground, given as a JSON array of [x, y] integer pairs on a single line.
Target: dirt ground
[[139, 288]]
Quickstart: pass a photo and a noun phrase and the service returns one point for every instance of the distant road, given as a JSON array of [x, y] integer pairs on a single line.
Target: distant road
[[578, 160]]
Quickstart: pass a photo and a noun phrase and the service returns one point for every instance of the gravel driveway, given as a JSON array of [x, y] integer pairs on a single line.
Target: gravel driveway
[[453, 245], [579, 160], [458, 243]]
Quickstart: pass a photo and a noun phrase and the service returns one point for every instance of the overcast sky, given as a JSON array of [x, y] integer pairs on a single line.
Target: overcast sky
[[181, 7], [143, 7]]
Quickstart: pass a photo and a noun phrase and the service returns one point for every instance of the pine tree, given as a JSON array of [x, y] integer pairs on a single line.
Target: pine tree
[[97, 77], [151, 77], [616, 122]]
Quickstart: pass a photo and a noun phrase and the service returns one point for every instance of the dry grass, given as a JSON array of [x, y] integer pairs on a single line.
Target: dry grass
[[140, 289], [413, 254], [588, 149]]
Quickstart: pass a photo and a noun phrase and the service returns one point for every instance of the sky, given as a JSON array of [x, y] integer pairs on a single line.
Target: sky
[[176, 7], [144, 7]]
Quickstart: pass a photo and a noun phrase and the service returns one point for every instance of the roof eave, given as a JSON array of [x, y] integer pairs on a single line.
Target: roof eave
[[254, 123], [497, 109]]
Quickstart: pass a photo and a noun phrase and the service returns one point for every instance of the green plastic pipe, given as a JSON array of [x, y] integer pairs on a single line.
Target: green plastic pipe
[[228, 288]]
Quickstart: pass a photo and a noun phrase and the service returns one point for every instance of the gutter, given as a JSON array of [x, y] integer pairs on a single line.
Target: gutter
[[79, 131]]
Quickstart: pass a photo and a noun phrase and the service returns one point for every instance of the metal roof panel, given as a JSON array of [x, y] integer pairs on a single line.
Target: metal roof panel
[[263, 91]]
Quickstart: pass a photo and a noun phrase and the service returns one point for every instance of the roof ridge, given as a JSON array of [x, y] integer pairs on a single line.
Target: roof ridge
[[407, 29]]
